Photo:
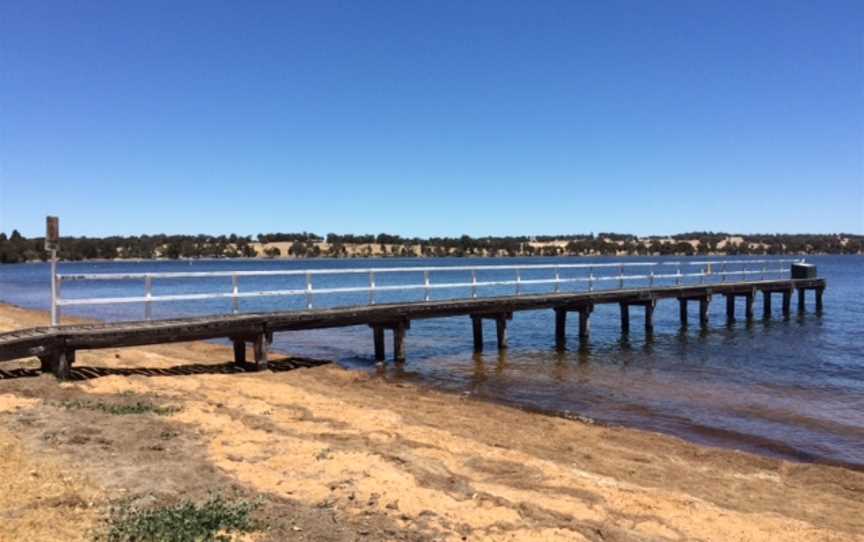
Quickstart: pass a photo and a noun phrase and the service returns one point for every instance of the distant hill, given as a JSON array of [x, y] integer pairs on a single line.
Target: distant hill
[[16, 248]]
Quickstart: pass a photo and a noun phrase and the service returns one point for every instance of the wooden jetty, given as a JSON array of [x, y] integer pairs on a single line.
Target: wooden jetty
[[56, 346]]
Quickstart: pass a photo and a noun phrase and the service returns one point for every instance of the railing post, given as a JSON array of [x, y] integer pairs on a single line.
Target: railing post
[[148, 293], [308, 290], [557, 279], [621, 276], [426, 285], [518, 280], [235, 289], [723, 271], [473, 283], [55, 290], [651, 279], [371, 287], [590, 279], [678, 276]]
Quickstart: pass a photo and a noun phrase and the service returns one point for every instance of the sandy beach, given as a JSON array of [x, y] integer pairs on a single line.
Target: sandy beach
[[333, 454]]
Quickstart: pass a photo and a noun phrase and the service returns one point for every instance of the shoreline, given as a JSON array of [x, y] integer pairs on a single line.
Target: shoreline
[[352, 453]]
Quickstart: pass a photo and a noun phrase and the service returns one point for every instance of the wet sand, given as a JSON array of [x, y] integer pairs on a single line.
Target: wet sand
[[342, 455]]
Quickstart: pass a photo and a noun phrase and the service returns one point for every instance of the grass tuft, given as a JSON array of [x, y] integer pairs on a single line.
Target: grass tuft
[[139, 407], [215, 520]]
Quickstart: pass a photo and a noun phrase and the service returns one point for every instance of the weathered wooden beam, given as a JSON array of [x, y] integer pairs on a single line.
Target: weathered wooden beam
[[477, 328], [801, 304], [239, 351], [748, 306], [682, 312], [649, 317], [730, 308], [501, 330], [378, 339], [766, 304], [260, 347], [787, 303], [61, 363], [704, 303], [625, 317], [399, 342], [819, 291], [584, 323], [560, 328]]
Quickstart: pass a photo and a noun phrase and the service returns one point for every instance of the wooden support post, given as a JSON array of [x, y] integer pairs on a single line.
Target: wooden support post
[[260, 346], [62, 364], [730, 308], [477, 327], [378, 339], [766, 304], [819, 299], [239, 351], [399, 342], [560, 328], [625, 318], [787, 303], [748, 306], [682, 311], [801, 292], [501, 328], [584, 325], [703, 310], [45, 363], [649, 317]]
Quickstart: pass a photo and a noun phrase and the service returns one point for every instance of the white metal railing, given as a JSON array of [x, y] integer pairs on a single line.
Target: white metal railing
[[704, 269]]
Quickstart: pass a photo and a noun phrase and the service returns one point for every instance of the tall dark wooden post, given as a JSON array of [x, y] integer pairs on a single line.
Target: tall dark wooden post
[[60, 363], [239, 351], [730, 308], [561, 328], [625, 317], [703, 310], [584, 324], [649, 317], [801, 306], [682, 311], [819, 299], [399, 342], [378, 340], [477, 326], [748, 306], [501, 328], [261, 346], [766, 304], [787, 303]]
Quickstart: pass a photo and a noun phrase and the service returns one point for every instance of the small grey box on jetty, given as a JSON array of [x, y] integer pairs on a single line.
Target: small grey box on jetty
[[803, 271]]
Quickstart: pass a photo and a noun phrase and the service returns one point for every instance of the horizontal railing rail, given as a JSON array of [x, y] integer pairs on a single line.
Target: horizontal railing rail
[[706, 269]]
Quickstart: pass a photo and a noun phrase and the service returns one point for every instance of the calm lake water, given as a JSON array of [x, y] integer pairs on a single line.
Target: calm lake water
[[790, 388]]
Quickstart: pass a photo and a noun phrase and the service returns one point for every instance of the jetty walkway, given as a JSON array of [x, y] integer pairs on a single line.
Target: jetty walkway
[[56, 345]]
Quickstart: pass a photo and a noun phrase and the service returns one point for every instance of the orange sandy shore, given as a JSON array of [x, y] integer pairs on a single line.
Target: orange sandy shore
[[339, 455]]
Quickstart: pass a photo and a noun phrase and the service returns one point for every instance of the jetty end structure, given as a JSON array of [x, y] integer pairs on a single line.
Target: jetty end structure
[[482, 292]]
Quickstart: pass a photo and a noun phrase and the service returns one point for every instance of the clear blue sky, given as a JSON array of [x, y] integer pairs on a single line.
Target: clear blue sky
[[432, 118]]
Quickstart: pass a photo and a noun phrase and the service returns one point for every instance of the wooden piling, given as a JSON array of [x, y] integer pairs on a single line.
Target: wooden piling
[[59, 363], [239, 351], [625, 318], [801, 305], [787, 303], [501, 328], [399, 342], [260, 346], [649, 317], [748, 306], [561, 328], [378, 340], [766, 304], [730, 307], [477, 326], [819, 299], [704, 302], [584, 324], [682, 311]]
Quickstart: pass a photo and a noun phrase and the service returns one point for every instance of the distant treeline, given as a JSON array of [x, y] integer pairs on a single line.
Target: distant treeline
[[16, 248]]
